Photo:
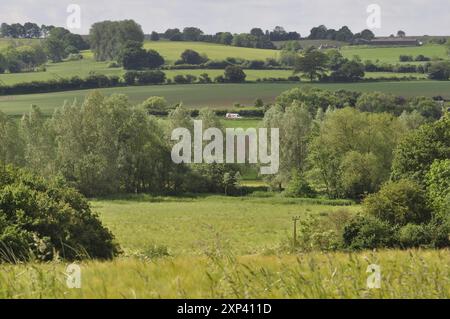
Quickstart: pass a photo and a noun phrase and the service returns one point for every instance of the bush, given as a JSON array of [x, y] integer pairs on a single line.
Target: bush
[[191, 57], [322, 232], [75, 57], [184, 79], [130, 77], [45, 219], [255, 64], [299, 187], [439, 71], [150, 77], [413, 235], [406, 58], [204, 78], [155, 104], [367, 232], [217, 64], [439, 229], [422, 58], [399, 203], [234, 74]]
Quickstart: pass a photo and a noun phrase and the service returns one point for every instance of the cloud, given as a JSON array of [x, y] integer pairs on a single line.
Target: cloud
[[416, 17]]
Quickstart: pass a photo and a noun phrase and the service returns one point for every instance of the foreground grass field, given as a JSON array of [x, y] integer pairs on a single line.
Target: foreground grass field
[[404, 274], [218, 249], [217, 95], [193, 225]]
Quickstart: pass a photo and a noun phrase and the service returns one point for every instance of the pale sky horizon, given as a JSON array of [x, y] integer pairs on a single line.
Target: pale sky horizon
[[415, 17]]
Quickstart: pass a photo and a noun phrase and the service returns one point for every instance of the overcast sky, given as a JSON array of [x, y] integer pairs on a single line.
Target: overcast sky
[[415, 17]]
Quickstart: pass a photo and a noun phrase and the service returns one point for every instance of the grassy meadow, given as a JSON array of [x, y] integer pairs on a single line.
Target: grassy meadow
[[391, 54], [405, 274], [241, 225], [226, 248], [216, 95], [171, 50]]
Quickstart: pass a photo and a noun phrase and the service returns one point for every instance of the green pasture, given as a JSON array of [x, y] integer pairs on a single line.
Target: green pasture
[[171, 50], [189, 226], [391, 54], [217, 95]]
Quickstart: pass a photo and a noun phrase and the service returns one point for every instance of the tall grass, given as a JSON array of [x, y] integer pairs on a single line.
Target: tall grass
[[404, 274]]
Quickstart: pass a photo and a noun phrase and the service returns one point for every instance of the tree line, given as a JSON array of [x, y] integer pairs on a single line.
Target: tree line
[[29, 30], [59, 44], [256, 38], [107, 146], [389, 153]]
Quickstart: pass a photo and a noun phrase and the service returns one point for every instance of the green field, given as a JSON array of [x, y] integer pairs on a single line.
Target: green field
[[66, 69], [225, 248], [217, 95], [244, 123], [189, 226], [405, 275], [391, 55], [171, 50]]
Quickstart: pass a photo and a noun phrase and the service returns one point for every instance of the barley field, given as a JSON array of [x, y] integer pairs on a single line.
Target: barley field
[[220, 247]]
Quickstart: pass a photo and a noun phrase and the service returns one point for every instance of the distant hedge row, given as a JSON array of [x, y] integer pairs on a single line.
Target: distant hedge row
[[396, 68], [91, 82], [153, 77]]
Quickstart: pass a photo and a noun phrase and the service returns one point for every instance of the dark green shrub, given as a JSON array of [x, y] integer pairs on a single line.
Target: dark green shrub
[[130, 77], [413, 235], [399, 203], [299, 187], [44, 219], [216, 64], [367, 232], [439, 230], [219, 79], [234, 74], [180, 79], [406, 58], [150, 77]]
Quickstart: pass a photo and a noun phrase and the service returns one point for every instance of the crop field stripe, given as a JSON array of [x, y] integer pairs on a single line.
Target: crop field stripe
[[217, 95]]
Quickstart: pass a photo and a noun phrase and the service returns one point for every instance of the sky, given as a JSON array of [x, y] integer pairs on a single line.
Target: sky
[[415, 17]]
